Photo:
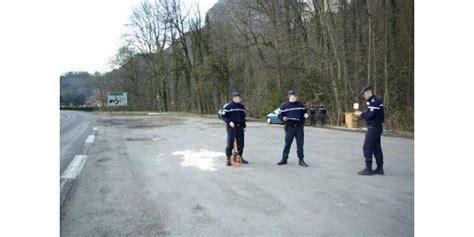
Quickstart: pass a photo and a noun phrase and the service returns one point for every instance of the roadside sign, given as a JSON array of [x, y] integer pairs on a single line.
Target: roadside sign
[[117, 99]]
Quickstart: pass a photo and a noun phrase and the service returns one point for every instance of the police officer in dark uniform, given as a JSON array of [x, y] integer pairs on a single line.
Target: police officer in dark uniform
[[312, 115], [293, 114], [322, 115], [374, 118], [234, 117]]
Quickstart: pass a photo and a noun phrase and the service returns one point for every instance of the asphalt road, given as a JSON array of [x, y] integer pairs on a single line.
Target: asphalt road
[[75, 127], [164, 175]]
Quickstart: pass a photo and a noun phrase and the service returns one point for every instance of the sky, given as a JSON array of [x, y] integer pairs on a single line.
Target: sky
[[91, 31]]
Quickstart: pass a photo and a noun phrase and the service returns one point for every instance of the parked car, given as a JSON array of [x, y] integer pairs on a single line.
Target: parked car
[[272, 117]]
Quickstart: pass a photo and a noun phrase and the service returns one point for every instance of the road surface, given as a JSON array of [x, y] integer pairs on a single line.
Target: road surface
[[75, 128], [165, 176]]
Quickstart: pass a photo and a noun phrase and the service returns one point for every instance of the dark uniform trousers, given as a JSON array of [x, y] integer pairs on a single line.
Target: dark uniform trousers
[[322, 119], [238, 134], [293, 130], [372, 145]]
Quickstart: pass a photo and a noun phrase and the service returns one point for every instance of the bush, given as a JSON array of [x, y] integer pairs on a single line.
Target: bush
[[84, 109]]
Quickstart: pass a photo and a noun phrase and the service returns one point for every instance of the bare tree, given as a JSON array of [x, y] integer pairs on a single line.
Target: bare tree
[[326, 49], [149, 32]]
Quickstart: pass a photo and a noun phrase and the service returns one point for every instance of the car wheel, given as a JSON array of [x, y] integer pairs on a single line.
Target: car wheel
[[269, 120]]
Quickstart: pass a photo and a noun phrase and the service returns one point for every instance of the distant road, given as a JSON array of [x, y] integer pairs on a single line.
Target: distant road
[[166, 176], [75, 127]]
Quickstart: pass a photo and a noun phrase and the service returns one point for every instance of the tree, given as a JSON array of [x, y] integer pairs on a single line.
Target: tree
[[326, 49]]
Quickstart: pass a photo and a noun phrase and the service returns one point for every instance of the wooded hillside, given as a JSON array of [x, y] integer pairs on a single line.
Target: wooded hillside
[[176, 59]]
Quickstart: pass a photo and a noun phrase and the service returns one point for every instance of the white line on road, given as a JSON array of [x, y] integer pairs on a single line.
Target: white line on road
[[90, 139], [66, 117], [75, 167], [95, 128]]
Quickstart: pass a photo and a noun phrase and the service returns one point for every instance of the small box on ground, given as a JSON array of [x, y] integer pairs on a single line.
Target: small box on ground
[[351, 120]]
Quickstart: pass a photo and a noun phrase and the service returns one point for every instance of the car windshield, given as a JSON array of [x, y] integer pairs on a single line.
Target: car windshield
[[276, 111]]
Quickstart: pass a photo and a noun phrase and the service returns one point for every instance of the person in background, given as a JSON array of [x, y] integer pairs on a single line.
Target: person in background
[[322, 115], [312, 115]]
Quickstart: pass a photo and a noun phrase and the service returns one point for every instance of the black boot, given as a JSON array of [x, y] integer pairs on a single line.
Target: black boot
[[228, 160], [366, 171], [282, 162], [302, 163], [378, 171], [243, 161]]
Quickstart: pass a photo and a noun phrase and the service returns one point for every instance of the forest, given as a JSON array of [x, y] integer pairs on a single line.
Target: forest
[[175, 58]]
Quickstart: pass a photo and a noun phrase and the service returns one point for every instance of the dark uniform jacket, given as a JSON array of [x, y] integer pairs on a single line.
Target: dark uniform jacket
[[234, 112], [375, 111], [322, 110], [294, 111]]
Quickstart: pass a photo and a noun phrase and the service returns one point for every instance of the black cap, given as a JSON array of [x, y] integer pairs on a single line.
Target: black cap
[[366, 88], [235, 94], [292, 92]]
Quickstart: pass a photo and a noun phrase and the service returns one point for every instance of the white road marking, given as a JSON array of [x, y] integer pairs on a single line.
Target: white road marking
[[66, 117], [95, 128], [75, 167], [90, 139]]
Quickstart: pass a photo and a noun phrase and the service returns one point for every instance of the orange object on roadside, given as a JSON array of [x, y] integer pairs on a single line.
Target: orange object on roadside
[[235, 159]]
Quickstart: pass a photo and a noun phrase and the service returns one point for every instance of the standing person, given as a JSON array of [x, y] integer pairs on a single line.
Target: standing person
[[234, 118], [374, 118], [312, 115], [293, 114], [322, 115]]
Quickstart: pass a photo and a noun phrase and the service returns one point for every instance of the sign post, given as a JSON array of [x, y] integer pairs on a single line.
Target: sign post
[[356, 106], [116, 99]]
